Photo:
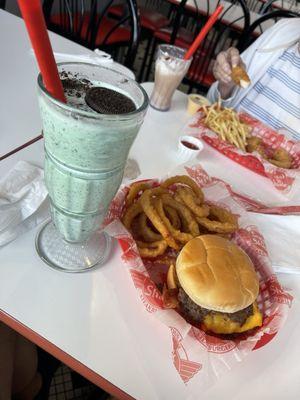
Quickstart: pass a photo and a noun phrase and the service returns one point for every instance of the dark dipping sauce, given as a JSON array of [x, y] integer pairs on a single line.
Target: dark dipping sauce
[[196, 314], [108, 101], [189, 145]]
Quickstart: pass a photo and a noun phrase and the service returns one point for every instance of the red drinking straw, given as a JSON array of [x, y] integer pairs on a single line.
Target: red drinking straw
[[35, 23], [204, 31]]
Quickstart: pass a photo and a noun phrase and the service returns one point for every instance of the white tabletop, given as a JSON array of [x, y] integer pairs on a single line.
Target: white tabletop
[[81, 314]]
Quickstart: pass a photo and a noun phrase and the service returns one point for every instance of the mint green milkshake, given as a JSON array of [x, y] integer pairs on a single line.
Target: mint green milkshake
[[86, 150]]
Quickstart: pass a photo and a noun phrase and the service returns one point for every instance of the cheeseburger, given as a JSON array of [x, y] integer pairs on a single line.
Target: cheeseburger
[[217, 286]]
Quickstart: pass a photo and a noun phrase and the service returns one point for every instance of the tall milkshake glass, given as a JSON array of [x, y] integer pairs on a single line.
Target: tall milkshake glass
[[170, 69], [85, 156]]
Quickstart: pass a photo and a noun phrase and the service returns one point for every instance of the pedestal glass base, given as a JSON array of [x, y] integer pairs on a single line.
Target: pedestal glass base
[[71, 257], [160, 109]]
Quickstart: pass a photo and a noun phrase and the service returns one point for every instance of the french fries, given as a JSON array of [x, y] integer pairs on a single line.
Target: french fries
[[226, 123]]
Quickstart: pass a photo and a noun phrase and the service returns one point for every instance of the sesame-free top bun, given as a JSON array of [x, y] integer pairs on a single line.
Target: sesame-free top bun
[[216, 274]]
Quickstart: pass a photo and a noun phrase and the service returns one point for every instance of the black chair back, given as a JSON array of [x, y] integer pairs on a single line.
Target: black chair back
[[162, 7], [257, 27], [277, 5], [254, 5], [2, 4], [152, 4], [199, 16], [232, 23], [82, 21]]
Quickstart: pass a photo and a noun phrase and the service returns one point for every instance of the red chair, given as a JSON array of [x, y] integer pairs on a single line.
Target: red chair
[[150, 19], [87, 24], [117, 36]]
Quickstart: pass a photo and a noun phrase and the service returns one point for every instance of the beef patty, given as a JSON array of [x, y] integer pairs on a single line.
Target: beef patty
[[197, 313]]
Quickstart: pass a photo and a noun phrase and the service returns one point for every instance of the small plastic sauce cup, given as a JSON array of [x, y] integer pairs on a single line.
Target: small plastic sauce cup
[[195, 101], [188, 148]]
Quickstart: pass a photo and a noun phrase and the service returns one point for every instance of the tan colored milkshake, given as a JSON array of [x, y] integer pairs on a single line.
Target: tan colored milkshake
[[170, 68]]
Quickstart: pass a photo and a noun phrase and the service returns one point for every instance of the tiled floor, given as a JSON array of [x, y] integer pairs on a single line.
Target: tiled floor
[[64, 388]]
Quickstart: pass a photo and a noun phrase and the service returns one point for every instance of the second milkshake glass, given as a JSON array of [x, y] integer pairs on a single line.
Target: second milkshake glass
[[170, 69], [85, 156]]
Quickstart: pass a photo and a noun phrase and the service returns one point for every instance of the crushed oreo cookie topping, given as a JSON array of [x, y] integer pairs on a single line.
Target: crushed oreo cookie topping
[[108, 101]]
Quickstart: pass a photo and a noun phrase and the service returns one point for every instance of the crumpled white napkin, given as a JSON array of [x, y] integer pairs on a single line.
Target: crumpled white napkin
[[98, 57], [23, 203]]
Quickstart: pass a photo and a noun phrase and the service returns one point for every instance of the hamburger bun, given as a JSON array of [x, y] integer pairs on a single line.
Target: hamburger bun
[[216, 274]]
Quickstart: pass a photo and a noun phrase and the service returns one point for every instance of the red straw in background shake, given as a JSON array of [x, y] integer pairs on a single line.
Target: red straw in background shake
[[204, 31], [35, 23]]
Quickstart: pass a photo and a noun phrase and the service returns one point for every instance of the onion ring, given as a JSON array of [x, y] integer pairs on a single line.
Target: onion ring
[[135, 228], [168, 259], [147, 233], [152, 214], [186, 180], [173, 217], [223, 221], [187, 217], [180, 236], [172, 280], [152, 250], [170, 297], [132, 211], [134, 190], [161, 221], [184, 224], [190, 200]]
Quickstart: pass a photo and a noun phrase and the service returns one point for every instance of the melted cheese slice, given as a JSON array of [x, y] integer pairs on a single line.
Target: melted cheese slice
[[219, 323]]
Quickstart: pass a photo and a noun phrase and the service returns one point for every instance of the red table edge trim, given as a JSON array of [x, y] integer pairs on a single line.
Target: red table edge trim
[[61, 355], [23, 146]]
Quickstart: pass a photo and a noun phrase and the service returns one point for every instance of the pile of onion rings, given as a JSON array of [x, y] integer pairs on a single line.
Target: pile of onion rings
[[167, 216]]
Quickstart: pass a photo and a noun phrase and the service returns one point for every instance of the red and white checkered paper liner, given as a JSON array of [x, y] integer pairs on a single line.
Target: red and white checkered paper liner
[[282, 179], [194, 351]]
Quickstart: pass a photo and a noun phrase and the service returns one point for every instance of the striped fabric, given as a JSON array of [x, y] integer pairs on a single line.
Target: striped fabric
[[275, 98]]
